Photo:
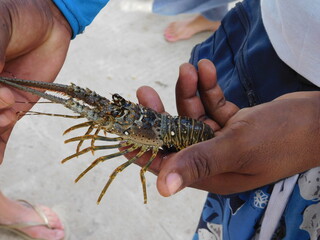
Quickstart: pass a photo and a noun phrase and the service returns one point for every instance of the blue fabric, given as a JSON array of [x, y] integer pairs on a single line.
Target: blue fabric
[[80, 13], [215, 14], [213, 10], [250, 73]]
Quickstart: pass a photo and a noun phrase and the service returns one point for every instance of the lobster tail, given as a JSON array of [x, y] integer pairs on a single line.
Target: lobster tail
[[181, 132]]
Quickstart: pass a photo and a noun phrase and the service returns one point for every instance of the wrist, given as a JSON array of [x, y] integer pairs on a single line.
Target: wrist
[[60, 18], [313, 101], [79, 13]]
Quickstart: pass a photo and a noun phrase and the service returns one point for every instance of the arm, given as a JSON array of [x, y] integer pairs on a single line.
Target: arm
[[253, 147]]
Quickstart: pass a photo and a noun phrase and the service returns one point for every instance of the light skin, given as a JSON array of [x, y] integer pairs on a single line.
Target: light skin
[[34, 39], [253, 146], [185, 29]]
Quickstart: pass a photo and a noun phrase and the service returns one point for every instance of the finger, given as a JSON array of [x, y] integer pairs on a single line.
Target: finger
[[7, 119], [193, 164], [4, 136], [212, 97], [148, 97], [6, 97], [188, 103]]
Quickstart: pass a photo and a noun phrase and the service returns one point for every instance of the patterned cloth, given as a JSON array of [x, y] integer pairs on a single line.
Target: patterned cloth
[[250, 73]]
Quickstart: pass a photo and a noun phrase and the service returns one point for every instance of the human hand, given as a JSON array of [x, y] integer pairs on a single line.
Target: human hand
[[253, 146], [34, 39]]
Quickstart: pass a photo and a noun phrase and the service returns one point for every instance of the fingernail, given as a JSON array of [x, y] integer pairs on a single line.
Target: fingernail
[[173, 182]]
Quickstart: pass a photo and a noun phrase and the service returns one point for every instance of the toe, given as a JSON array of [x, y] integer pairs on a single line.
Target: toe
[[53, 219]]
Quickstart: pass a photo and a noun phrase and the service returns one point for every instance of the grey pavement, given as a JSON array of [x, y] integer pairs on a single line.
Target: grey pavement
[[121, 50]]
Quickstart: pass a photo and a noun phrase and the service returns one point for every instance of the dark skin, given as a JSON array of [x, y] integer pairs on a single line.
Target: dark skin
[[253, 146], [34, 39]]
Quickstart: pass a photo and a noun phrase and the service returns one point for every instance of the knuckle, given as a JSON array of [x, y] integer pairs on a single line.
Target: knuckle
[[220, 101], [244, 161], [198, 166]]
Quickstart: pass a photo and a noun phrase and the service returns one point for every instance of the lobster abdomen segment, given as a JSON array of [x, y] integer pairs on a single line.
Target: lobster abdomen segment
[[180, 132]]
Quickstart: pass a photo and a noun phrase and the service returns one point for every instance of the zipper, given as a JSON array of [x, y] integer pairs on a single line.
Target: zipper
[[244, 76]]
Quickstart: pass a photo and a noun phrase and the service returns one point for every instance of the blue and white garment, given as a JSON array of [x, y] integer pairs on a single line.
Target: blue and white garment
[[80, 13], [296, 20], [213, 10], [250, 73]]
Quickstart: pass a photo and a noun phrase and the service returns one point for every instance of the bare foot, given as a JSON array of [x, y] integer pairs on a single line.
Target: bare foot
[[186, 29], [12, 212]]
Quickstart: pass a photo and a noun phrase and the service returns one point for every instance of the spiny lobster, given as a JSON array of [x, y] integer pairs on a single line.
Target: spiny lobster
[[137, 127]]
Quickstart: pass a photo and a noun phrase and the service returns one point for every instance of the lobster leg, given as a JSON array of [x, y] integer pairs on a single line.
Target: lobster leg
[[104, 158], [94, 148], [120, 169], [94, 138], [85, 124], [85, 137], [142, 172], [81, 125], [90, 129]]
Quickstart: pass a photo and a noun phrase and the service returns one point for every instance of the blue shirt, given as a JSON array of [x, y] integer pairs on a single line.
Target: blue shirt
[[80, 13]]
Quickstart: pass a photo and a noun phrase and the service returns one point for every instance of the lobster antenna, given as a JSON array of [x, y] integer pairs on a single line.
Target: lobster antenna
[[35, 92], [32, 102]]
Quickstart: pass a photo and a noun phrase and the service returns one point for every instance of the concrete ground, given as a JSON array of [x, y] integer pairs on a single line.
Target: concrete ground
[[123, 49]]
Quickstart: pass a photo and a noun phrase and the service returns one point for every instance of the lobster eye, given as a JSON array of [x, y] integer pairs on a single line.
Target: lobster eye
[[118, 100], [114, 113], [116, 97], [117, 113]]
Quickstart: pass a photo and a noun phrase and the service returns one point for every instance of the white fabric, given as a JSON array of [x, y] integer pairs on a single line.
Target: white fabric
[[293, 27], [279, 197]]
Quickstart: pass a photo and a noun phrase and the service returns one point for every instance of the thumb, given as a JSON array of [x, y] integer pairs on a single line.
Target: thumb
[[191, 165]]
